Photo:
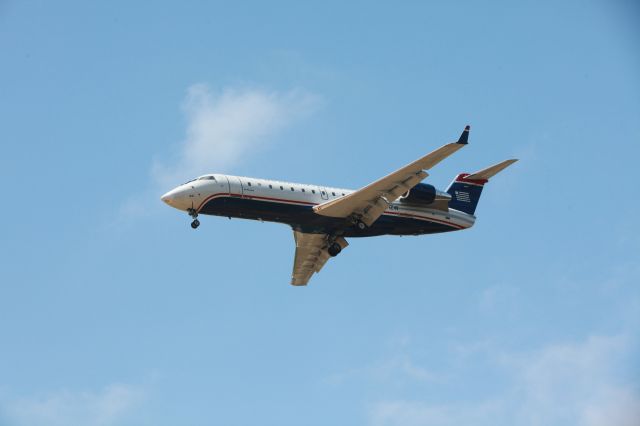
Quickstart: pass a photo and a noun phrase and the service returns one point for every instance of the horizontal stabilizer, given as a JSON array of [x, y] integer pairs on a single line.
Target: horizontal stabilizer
[[486, 174]]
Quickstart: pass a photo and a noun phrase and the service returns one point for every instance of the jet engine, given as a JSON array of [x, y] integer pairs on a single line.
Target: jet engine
[[422, 193]]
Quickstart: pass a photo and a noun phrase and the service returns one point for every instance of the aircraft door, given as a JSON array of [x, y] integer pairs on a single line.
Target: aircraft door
[[247, 187], [222, 184], [235, 188], [323, 193]]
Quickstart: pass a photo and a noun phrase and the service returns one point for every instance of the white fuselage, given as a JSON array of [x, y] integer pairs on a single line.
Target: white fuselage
[[272, 200]]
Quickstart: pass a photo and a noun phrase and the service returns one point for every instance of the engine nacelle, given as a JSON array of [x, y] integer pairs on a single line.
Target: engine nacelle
[[422, 193]]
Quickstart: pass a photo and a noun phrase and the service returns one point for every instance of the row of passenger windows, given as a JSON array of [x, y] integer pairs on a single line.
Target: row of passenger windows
[[270, 186], [313, 191]]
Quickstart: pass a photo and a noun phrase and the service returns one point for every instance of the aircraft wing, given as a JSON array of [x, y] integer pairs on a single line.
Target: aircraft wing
[[368, 203], [311, 255]]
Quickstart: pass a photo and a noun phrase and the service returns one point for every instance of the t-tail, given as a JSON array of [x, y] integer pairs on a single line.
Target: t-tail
[[466, 188]]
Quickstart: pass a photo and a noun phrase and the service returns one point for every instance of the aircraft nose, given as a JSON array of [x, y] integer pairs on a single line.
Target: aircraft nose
[[168, 197], [179, 198]]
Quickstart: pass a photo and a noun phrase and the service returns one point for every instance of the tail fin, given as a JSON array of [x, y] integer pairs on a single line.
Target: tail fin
[[466, 188]]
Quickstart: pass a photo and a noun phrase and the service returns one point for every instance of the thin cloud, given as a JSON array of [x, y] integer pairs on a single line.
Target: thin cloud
[[576, 381], [569, 383], [224, 128], [412, 413], [398, 369], [107, 407]]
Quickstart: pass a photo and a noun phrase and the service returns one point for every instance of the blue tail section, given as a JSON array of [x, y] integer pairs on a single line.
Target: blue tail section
[[465, 193]]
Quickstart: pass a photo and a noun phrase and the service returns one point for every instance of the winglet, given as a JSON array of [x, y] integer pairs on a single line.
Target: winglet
[[464, 137]]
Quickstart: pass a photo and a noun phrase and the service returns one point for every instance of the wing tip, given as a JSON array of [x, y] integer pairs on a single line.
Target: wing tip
[[464, 137], [297, 282]]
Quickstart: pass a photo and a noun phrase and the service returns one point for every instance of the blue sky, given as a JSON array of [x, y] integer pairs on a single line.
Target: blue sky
[[114, 312]]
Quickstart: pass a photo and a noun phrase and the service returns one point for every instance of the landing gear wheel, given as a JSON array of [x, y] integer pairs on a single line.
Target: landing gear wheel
[[334, 249], [194, 215], [361, 225]]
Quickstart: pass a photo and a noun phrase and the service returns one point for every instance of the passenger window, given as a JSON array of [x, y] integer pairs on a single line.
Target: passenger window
[[270, 186], [313, 191], [249, 183], [292, 188], [333, 193], [302, 189], [323, 193], [281, 187], [343, 194]]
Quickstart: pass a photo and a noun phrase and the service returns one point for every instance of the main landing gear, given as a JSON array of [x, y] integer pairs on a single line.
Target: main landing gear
[[356, 220], [334, 249], [194, 215]]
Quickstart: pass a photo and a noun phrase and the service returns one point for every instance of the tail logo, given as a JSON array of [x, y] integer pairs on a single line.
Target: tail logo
[[463, 196]]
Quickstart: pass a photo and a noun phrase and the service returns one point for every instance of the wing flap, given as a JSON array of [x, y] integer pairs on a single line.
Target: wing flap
[[376, 207]]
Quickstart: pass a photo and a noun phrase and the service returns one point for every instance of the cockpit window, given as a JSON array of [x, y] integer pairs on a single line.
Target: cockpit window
[[205, 178]]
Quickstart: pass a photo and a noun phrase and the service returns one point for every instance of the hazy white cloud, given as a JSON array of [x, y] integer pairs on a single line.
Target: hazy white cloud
[[107, 407], [562, 384], [224, 127], [412, 413], [397, 369], [576, 383], [500, 296]]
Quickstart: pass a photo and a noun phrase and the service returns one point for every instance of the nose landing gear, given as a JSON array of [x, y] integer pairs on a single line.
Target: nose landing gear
[[194, 215]]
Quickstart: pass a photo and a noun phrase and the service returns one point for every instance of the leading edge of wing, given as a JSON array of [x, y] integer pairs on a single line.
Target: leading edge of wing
[[394, 184]]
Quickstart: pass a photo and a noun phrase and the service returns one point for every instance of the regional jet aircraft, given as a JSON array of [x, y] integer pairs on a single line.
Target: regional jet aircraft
[[323, 217]]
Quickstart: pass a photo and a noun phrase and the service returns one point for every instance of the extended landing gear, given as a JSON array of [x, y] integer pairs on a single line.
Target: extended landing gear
[[194, 215], [334, 249]]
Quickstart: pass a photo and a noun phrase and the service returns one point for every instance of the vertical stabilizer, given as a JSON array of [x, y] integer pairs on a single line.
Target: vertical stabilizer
[[465, 190]]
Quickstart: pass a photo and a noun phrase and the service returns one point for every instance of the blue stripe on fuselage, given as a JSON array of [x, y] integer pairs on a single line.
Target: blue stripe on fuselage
[[304, 219]]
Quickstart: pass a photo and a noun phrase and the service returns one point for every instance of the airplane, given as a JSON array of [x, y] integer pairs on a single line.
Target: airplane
[[323, 217]]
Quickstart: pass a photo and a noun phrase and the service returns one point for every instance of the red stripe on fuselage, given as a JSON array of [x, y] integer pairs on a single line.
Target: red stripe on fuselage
[[415, 216], [306, 203], [227, 194]]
